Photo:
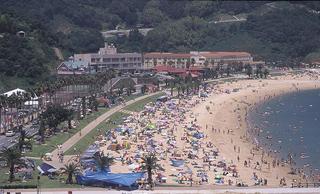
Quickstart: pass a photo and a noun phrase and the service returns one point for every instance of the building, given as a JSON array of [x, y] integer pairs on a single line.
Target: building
[[211, 59], [195, 59], [72, 67], [109, 58], [177, 60]]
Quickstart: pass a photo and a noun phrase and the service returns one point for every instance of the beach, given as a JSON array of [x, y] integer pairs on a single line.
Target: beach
[[231, 133], [205, 140]]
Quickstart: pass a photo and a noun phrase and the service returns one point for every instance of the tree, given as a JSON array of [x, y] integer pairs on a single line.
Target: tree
[[249, 70], [150, 164], [69, 115], [11, 157], [206, 63], [266, 72], [54, 115], [41, 130], [103, 162], [23, 143], [143, 89], [70, 169], [228, 70]]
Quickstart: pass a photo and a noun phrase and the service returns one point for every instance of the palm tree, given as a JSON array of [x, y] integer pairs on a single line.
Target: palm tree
[[23, 142], [12, 157], [150, 164], [70, 169], [266, 72], [103, 162], [83, 103], [3, 102], [69, 115], [249, 70], [42, 129], [206, 63]]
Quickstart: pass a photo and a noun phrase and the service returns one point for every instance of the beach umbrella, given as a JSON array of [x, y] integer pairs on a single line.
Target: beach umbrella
[[218, 176], [151, 126]]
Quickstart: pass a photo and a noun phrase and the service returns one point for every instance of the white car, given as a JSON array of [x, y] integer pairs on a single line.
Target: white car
[[10, 133]]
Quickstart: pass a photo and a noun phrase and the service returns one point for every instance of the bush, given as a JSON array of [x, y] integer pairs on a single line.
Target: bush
[[18, 186]]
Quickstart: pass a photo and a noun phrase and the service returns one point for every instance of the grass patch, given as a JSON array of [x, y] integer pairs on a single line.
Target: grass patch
[[60, 138], [45, 182], [139, 105], [83, 144]]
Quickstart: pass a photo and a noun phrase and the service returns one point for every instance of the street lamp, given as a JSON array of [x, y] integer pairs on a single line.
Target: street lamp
[[38, 184]]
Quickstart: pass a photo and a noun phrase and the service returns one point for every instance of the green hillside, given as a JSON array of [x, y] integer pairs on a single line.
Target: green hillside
[[272, 31]]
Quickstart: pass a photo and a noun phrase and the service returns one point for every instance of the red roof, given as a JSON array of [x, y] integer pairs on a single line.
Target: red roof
[[193, 75], [195, 68], [224, 54], [169, 69], [166, 55]]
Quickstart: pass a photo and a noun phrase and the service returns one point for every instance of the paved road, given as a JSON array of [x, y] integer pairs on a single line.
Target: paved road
[[8, 142], [76, 137]]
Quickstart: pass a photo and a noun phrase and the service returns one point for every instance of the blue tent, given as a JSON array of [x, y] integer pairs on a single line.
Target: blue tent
[[45, 169], [89, 153], [198, 135], [102, 178], [177, 163]]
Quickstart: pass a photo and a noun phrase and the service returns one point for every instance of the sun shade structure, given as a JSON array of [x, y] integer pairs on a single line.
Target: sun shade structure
[[102, 178], [45, 169], [177, 163]]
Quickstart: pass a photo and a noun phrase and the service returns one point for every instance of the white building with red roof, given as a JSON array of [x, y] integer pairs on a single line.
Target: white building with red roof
[[206, 58], [177, 60], [195, 59]]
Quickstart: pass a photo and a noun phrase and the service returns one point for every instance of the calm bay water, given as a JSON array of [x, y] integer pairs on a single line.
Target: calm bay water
[[291, 124]]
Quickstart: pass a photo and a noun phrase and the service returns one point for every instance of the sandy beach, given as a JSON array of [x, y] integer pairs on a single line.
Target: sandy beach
[[228, 127], [206, 141]]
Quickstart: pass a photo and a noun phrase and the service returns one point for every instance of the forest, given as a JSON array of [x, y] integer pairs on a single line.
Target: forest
[[289, 32]]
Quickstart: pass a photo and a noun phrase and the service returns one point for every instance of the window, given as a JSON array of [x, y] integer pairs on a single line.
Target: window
[[123, 59], [106, 59], [115, 59]]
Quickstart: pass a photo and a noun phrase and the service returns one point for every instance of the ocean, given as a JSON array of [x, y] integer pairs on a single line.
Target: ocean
[[291, 124]]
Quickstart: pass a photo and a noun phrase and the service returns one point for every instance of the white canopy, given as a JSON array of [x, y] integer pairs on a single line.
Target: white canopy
[[15, 91], [18, 90]]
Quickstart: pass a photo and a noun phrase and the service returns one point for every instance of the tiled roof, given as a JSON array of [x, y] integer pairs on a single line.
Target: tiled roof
[[71, 65], [164, 68], [224, 54], [166, 55]]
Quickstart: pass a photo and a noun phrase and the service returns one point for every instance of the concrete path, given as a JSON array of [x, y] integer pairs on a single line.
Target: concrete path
[[77, 137]]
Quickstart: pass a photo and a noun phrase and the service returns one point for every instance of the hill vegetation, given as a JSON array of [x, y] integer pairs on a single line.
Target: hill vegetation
[[272, 31]]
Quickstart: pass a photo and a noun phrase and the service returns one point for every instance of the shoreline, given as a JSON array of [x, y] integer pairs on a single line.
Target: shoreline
[[262, 93]]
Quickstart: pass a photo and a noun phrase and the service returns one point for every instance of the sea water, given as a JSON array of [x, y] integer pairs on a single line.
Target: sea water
[[291, 124]]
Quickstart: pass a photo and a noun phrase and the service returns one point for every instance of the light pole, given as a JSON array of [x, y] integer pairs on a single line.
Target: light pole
[[38, 184]]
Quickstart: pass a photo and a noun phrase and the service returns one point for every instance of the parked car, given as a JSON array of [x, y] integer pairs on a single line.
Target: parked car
[[10, 133]]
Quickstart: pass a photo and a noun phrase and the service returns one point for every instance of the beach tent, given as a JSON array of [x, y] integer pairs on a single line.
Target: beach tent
[[102, 178], [177, 163], [45, 169], [198, 135], [162, 98], [89, 153]]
